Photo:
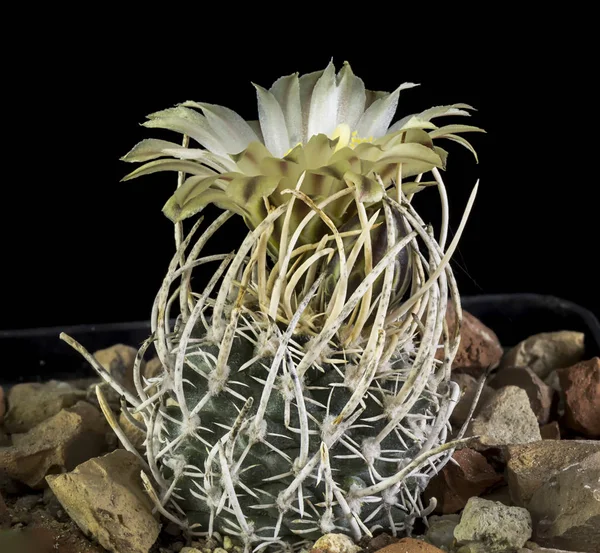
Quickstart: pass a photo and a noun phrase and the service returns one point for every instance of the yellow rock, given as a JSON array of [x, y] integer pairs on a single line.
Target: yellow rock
[[106, 498]]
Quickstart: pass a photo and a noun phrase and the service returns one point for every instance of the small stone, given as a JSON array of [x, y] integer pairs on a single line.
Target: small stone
[[491, 527], [455, 484], [227, 543], [28, 502], [535, 549], [501, 494], [31, 403], [479, 346], [177, 546], [153, 368], [210, 543], [566, 508], [172, 529], [410, 545], [219, 550], [190, 550], [53, 506], [105, 496], [540, 395], [119, 361], [336, 543], [2, 405], [56, 445], [378, 542], [136, 436], [546, 351], [550, 431], [506, 419], [468, 387], [441, 530], [9, 486], [529, 466], [113, 398], [581, 386], [4, 515], [553, 381]]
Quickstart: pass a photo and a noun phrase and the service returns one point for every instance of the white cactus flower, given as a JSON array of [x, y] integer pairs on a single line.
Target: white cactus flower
[[328, 127]]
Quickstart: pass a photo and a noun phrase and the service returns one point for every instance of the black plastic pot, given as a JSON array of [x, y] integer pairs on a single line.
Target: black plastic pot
[[39, 354]]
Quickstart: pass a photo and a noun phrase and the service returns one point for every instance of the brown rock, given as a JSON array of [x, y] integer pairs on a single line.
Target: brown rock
[[566, 509], [581, 387], [113, 398], [501, 495], [2, 405], [479, 346], [44, 534], [506, 419], [550, 431], [546, 351], [119, 360], [455, 484], [136, 436], [32, 403], [540, 395], [534, 548], [4, 516], [410, 545], [529, 466], [440, 531], [106, 498], [370, 545], [468, 386], [491, 527], [153, 368], [56, 445], [336, 543]]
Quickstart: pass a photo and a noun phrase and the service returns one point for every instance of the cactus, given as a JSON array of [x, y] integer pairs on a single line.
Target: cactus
[[303, 391]]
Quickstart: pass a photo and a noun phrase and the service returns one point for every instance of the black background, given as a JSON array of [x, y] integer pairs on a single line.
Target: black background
[[78, 246]]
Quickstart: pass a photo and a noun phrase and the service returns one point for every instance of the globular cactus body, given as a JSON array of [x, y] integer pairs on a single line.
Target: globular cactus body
[[303, 391]]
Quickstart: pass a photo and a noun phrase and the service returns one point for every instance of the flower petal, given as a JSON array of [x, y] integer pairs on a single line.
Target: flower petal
[[352, 97], [219, 163], [250, 190], [324, 104], [249, 161], [431, 113], [367, 188], [234, 133], [147, 149], [318, 151], [287, 92], [440, 111], [187, 121], [169, 165], [376, 120], [176, 212], [415, 159], [463, 142], [307, 85], [183, 203], [372, 96], [272, 122], [255, 126], [453, 129]]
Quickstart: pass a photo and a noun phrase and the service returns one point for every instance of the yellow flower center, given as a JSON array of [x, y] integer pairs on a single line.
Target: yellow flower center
[[346, 138]]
